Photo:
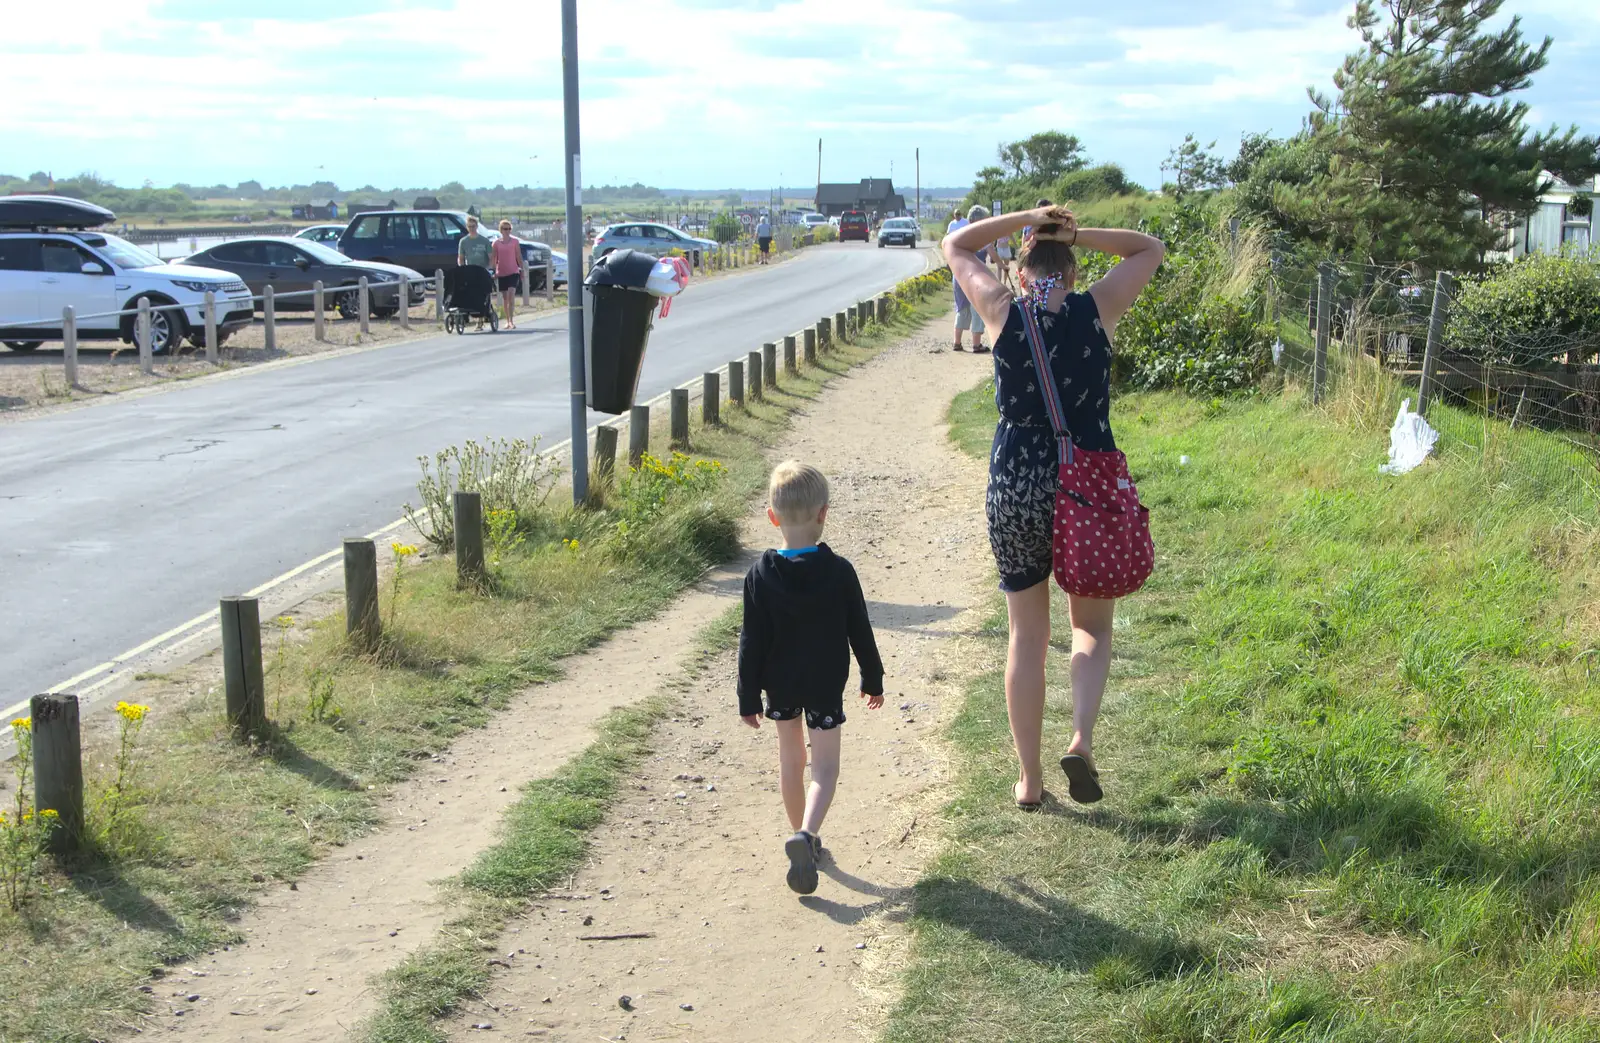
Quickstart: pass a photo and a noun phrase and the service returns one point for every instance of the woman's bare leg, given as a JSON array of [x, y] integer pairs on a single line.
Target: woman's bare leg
[[1091, 664], [1029, 614]]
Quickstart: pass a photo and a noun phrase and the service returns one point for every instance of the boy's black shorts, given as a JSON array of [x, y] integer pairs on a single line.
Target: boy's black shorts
[[830, 716]]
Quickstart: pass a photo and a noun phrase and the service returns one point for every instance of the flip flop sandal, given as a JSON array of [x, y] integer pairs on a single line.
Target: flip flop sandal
[[802, 864], [1083, 782], [1028, 805]]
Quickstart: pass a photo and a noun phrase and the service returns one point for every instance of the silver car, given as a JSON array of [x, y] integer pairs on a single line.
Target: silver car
[[658, 240]]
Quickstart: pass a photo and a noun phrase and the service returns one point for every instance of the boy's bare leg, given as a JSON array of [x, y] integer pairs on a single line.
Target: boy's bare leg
[[792, 768], [824, 778]]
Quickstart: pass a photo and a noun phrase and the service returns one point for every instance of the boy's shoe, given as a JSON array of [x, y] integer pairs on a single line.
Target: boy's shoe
[[802, 849]]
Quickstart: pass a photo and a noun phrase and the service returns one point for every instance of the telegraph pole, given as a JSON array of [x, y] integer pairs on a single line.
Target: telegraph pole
[[576, 269], [919, 186]]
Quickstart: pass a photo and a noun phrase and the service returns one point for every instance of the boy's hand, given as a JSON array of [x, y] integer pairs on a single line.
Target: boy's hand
[[874, 702], [753, 720]]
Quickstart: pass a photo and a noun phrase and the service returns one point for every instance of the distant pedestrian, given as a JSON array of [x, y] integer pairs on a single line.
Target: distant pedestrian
[[508, 266], [804, 614], [474, 247], [967, 318], [764, 240]]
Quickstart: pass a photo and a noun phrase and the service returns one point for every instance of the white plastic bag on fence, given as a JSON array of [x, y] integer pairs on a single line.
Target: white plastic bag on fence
[[1411, 439]]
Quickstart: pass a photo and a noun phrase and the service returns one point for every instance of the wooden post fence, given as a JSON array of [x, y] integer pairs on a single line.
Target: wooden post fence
[[605, 454], [736, 382], [809, 336], [467, 509], [364, 303], [710, 403], [69, 343], [790, 365], [58, 766], [824, 334], [269, 318], [211, 328], [244, 685], [1430, 352], [638, 434], [1319, 362], [753, 367], [769, 364], [680, 417], [438, 295], [402, 303], [362, 624], [141, 334], [841, 328], [319, 305]]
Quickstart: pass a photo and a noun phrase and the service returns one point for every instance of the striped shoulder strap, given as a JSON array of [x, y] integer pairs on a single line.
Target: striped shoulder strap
[[1047, 381]]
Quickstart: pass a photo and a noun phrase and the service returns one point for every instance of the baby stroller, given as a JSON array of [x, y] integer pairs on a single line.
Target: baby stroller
[[468, 294]]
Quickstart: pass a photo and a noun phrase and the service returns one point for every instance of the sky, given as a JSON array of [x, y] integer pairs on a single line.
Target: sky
[[675, 93]]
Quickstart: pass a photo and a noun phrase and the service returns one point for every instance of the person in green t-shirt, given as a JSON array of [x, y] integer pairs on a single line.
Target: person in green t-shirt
[[474, 248]]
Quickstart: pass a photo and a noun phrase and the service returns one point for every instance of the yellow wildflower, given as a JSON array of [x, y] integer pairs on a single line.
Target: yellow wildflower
[[50, 813], [132, 711], [22, 724], [403, 550], [571, 545]]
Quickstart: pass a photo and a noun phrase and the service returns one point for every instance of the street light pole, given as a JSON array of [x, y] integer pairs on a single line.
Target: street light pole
[[576, 269]]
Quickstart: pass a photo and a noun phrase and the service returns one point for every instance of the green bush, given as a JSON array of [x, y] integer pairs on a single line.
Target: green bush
[[1091, 183], [725, 228], [1530, 312]]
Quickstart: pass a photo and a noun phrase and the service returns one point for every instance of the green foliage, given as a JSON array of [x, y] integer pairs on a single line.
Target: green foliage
[[1043, 158], [509, 473], [1194, 167], [1529, 312], [725, 227], [1099, 182], [1425, 150]]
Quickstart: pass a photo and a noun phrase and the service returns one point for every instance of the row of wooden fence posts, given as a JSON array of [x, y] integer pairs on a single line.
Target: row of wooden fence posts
[[54, 717]]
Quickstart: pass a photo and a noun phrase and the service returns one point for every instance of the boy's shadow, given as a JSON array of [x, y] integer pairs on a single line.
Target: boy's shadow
[[893, 900]]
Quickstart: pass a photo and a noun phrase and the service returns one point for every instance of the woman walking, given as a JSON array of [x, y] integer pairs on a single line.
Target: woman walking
[[1074, 332], [967, 318], [508, 270]]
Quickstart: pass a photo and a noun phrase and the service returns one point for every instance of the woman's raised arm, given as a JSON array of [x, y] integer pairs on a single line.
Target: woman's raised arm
[[987, 293]]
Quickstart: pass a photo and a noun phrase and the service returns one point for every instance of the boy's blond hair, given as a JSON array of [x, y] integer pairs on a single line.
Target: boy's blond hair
[[797, 492]]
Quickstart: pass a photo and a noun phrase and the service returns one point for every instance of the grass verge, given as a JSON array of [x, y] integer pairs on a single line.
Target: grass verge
[[1352, 752], [208, 823], [543, 840]]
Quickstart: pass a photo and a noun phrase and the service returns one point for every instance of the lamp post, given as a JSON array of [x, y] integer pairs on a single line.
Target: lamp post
[[576, 269]]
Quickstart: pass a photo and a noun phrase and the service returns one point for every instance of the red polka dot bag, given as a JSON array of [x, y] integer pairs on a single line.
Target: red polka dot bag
[[1102, 545]]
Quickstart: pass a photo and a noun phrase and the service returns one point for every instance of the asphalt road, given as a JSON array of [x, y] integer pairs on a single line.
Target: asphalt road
[[126, 518]]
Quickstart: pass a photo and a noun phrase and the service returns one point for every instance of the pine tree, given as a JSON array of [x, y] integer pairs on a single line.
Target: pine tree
[[1429, 159]]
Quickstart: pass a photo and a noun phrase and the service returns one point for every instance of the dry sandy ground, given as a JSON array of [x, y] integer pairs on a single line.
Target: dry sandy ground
[[692, 853]]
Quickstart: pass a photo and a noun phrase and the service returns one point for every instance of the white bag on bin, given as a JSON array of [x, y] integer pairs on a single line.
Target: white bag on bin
[[667, 280], [1411, 439]]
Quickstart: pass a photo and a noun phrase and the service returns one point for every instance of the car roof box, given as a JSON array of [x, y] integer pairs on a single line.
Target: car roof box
[[51, 212]]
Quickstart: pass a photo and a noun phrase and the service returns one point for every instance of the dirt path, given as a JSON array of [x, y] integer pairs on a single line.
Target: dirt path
[[702, 869], [703, 872]]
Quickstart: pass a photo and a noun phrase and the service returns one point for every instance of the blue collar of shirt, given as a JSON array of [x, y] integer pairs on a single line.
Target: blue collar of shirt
[[795, 552]]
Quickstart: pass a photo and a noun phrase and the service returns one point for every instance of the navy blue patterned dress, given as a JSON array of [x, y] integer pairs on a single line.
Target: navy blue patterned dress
[[1023, 468]]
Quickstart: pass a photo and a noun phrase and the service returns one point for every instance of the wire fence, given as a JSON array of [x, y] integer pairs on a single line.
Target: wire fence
[[1524, 405]]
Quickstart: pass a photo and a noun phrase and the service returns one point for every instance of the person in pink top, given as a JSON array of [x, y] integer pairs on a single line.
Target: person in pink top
[[508, 270]]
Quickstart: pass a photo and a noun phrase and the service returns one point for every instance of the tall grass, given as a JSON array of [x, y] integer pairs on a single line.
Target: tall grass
[[1352, 747]]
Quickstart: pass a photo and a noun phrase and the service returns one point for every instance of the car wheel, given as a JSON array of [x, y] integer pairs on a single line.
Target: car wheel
[[167, 327], [22, 347], [349, 304]]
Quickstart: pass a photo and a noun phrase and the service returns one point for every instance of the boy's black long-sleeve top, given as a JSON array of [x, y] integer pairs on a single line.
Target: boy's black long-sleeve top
[[802, 617]]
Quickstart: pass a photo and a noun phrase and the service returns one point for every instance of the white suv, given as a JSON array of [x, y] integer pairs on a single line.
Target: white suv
[[46, 263]]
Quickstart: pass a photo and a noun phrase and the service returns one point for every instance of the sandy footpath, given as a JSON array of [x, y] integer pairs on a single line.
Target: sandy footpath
[[692, 853]]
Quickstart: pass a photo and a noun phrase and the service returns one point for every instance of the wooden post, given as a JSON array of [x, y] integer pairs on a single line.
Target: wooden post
[[809, 334], [69, 343], [211, 327], [362, 623], [790, 364], [467, 509], [680, 417], [1430, 353], [269, 318], [736, 382], [141, 333], [883, 309], [550, 280], [58, 767], [526, 278], [364, 304], [638, 434], [438, 295], [243, 683], [605, 453], [753, 369], [319, 304], [402, 303], [841, 327], [1319, 364], [710, 402], [824, 334], [853, 317], [769, 364]]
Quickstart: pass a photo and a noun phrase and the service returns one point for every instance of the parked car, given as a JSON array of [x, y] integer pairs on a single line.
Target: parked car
[[853, 225], [810, 221], [328, 235], [656, 240], [424, 241], [291, 266], [898, 231], [49, 260]]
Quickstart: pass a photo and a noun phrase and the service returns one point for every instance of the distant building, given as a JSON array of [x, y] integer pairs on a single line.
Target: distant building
[[1559, 222], [318, 210], [425, 203], [870, 194]]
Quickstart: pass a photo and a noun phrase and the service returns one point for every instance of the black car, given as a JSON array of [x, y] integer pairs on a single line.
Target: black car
[[424, 240], [291, 266]]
